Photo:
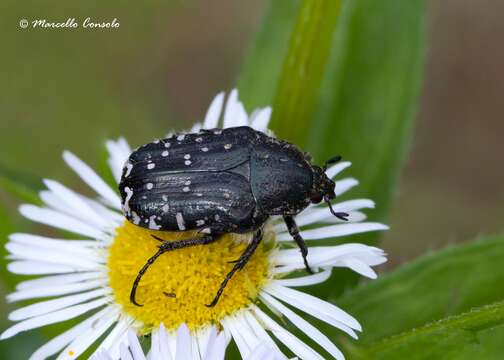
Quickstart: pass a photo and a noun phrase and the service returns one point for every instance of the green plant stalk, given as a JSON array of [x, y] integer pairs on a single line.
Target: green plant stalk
[[299, 84]]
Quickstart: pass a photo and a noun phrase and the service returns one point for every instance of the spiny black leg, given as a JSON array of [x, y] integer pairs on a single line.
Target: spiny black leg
[[240, 264], [164, 247], [294, 231]]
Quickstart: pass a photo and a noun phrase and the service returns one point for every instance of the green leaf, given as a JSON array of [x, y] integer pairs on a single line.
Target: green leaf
[[351, 90], [473, 335], [299, 84], [432, 287], [263, 65], [20, 184], [369, 97]]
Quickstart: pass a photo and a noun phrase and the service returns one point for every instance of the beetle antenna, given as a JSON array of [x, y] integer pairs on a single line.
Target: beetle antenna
[[141, 273], [331, 161], [339, 214]]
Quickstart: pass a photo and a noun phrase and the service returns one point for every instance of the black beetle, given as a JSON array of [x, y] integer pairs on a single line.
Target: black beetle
[[220, 181]]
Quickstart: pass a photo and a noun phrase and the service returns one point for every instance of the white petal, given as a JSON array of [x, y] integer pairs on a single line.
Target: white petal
[[90, 177], [214, 111], [343, 185], [25, 252], [263, 335], [135, 347], [306, 280], [164, 348], [58, 280], [238, 336], [60, 341], [217, 349], [124, 351], [333, 231], [113, 218], [85, 339], [336, 169], [51, 243], [58, 316], [184, 350], [60, 221], [119, 152], [39, 268], [314, 306], [45, 307], [234, 113], [203, 336], [261, 119], [314, 214], [55, 290], [117, 336], [321, 256], [80, 209], [290, 341], [360, 268], [303, 325]]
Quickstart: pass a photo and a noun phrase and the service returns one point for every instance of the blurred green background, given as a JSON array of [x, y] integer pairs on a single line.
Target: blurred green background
[[72, 89]]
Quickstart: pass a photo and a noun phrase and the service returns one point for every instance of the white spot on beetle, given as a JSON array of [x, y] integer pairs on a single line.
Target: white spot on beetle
[[180, 221], [151, 166], [149, 186], [199, 139], [199, 194], [167, 144], [181, 137], [206, 231], [165, 153], [165, 208], [284, 160], [217, 217], [129, 194], [187, 162], [187, 156], [128, 166], [136, 218], [227, 195], [187, 183], [156, 141], [217, 132], [186, 189], [164, 197], [205, 149], [152, 223], [228, 146], [200, 222]]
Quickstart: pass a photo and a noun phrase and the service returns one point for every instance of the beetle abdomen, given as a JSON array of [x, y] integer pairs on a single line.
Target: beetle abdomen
[[188, 201]]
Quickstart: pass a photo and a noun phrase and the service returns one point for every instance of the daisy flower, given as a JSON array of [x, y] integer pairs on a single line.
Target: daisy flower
[[89, 278]]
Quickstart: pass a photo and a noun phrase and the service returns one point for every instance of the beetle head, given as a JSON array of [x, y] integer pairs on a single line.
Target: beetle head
[[323, 187]]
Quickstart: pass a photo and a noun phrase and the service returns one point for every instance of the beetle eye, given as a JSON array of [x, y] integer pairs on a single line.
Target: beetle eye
[[316, 199]]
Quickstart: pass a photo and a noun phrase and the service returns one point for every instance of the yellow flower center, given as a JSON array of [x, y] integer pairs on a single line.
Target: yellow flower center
[[175, 289]]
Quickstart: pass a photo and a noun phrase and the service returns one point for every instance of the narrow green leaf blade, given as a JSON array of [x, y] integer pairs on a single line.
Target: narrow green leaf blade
[[369, 96], [432, 287], [263, 65], [299, 84]]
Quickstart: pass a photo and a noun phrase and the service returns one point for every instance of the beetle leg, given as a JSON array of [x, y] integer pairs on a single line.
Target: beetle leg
[[240, 264], [164, 247], [294, 231]]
